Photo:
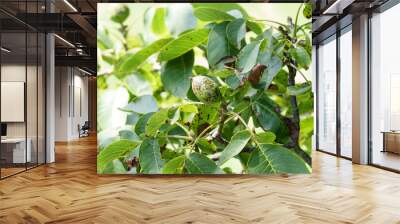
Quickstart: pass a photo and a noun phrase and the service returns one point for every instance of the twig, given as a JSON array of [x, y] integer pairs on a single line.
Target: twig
[[298, 70]]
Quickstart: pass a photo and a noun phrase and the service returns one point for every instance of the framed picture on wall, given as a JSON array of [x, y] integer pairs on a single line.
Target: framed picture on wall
[[204, 88]]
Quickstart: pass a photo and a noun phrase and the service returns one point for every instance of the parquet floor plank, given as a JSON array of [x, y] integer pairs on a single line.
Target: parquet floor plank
[[70, 191]]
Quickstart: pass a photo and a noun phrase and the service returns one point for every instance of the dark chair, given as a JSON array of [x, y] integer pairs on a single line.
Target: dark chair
[[84, 130]]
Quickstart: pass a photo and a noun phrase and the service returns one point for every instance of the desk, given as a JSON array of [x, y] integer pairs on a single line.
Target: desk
[[391, 141], [13, 150]]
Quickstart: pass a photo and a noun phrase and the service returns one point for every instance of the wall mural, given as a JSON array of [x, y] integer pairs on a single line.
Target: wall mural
[[204, 88]]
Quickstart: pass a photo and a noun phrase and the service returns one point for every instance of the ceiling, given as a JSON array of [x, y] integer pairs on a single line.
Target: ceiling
[[73, 21], [332, 15]]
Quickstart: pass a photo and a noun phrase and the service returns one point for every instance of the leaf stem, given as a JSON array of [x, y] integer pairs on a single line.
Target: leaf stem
[[296, 20], [177, 137], [298, 70], [183, 128], [270, 21]]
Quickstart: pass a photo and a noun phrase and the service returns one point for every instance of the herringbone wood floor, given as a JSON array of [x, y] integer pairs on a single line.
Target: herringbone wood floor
[[70, 191]]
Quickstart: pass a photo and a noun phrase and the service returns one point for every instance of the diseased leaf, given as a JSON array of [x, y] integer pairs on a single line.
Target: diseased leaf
[[247, 57], [275, 159], [155, 122], [175, 165], [150, 157], [114, 151], [132, 62], [236, 31], [207, 115], [212, 14], [197, 163], [183, 44], [176, 74], [235, 146]]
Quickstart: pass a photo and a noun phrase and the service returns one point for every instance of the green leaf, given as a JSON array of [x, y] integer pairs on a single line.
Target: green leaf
[[257, 28], [235, 146], [114, 151], [121, 15], [114, 167], [234, 165], [299, 89], [222, 73], [128, 134], [205, 146], [176, 74], [306, 132], [269, 119], [132, 118], [200, 70], [307, 11], [207, 115], [140, 126], [265, 137], [197, 163], [233, 81], [212, 14], [218, 46], [222, 7], [104, 41], [150, 157], [236, 31], [142, 105], [175, 165], [108, 104], [158, 25], [183, 44], [138, 85], [188, 108], [274, 65], [132, 62], [247, 57], [274, 159], [155, 122], [300, 55]]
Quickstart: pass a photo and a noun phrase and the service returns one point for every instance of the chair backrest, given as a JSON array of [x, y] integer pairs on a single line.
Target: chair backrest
[[86, 125]]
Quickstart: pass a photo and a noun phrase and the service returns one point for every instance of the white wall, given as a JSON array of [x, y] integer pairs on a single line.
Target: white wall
[[71, 102]]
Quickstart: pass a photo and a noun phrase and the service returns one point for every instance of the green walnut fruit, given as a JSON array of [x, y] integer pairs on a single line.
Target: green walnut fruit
[[205, 89], [307, 11]]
